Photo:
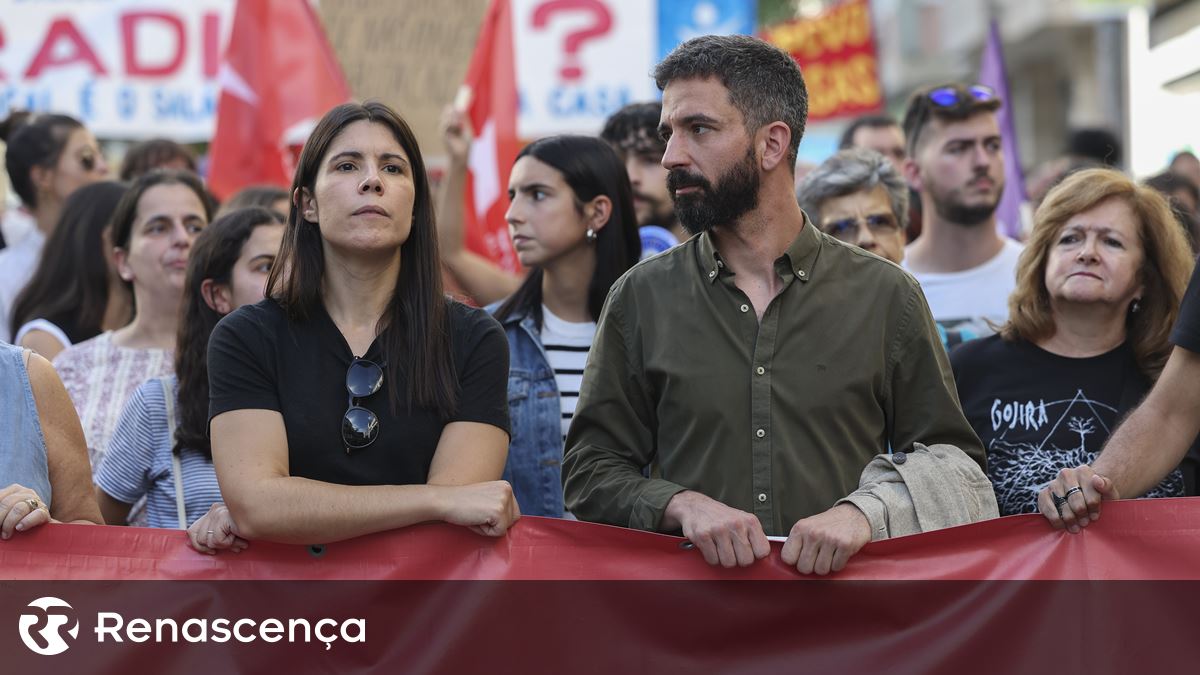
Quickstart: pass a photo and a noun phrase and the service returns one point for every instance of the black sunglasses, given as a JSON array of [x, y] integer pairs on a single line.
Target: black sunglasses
[[360, 427]]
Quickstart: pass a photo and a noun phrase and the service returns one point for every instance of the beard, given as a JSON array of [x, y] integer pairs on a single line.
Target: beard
[[951, 208], [734, 195]]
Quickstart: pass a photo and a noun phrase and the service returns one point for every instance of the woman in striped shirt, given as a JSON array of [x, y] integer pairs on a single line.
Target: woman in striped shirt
[[573, 225], [160, 447]]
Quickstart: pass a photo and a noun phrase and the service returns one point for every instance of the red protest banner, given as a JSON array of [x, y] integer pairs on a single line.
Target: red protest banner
[[1007, 595], [836, 52], [1135, 540]]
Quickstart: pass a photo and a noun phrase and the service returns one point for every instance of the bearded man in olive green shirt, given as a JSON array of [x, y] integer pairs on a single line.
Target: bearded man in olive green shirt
[[760, 366]]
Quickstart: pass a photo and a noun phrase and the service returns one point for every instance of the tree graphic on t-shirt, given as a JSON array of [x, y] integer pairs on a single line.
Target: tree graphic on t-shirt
[[1081, 426]]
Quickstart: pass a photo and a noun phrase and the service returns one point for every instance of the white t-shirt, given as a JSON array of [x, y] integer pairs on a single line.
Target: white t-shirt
[[566, 346], [962, 303], [17, 265]]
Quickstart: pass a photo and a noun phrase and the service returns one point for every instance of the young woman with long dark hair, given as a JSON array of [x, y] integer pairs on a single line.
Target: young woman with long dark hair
[[160, 448], [152, 233], [75, 294], [574, 227], [357, 397]]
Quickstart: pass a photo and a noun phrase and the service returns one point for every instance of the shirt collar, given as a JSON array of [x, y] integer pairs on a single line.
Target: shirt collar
[[799, 260]]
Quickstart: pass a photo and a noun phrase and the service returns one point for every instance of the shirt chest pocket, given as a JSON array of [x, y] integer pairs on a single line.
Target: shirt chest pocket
[[532, 400]]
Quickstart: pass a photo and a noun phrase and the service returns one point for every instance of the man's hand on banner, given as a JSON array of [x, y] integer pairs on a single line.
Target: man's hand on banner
[[1072, 500], [724, 535], [824, 543]]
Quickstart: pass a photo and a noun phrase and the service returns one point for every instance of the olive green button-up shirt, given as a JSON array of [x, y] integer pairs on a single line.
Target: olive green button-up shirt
[[776, 418]]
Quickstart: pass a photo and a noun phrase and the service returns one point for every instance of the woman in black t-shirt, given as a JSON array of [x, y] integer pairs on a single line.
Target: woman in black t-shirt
[[356, 398], [1098, 289]]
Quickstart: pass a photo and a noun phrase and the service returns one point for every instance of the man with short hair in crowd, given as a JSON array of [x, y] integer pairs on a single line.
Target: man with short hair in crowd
[[858, 197], [758, 367], [633, 132], [881, 133], [965, 266]]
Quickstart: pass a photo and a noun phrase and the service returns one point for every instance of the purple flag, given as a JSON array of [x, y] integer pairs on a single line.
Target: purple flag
[[993, 74]]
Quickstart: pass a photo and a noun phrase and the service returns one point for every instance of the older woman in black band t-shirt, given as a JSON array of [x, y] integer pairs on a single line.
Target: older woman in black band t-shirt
[[356, 398], [1098, 289]]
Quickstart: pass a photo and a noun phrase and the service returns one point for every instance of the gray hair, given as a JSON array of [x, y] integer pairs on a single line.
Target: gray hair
[[764, 83], [850, 171]]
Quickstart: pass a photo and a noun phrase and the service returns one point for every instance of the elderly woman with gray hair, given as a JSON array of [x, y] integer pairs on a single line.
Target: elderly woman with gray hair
[[858, 197]]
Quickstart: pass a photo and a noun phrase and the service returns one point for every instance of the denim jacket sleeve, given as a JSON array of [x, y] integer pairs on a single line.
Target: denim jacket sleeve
[[534, 465]]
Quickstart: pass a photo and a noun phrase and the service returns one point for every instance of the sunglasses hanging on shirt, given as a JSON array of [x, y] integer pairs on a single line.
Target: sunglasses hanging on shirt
[[360, 427]]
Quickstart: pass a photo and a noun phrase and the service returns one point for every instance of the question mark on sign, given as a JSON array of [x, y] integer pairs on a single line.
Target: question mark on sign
[[601, 24]]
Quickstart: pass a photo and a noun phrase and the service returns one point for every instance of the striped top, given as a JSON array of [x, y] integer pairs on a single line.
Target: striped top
[[566, 346], [138, 461]]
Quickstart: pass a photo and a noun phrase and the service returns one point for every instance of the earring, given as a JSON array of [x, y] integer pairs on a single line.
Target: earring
[[591, 236], [1135, 306]]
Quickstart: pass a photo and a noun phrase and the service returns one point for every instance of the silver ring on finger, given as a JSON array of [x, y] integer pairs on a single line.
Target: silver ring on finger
[[1059, 500], [1071, 492]]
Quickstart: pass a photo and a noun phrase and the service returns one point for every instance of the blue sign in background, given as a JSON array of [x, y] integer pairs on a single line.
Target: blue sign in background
[[680, 20]]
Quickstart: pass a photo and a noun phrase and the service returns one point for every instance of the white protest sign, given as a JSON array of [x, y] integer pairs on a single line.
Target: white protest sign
[[578, 61], [128, 69]]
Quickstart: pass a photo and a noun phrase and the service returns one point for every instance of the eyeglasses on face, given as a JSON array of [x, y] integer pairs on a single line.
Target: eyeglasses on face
[[360, 427], [847, 229]]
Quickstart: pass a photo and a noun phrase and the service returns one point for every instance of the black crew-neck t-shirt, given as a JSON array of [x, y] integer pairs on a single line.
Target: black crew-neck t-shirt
[[258, 358], [1187, 327], [1037, 412]]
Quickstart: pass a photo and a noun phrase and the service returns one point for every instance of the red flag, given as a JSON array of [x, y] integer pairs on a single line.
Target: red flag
[[278, 77], [491, 93]]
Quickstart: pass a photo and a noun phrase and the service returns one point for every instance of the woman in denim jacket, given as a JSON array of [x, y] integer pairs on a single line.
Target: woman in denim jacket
[[574, 228]]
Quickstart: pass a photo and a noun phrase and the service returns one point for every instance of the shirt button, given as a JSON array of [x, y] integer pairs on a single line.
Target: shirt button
[[712, 274], [760, 370], [899, 458], [800, 273], [760, 433], [762, 496], [745, 308]]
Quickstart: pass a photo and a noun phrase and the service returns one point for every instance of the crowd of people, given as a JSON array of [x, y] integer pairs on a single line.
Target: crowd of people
[[701, 343]]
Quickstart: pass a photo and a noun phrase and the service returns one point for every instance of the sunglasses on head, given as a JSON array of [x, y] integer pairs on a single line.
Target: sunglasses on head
[[360, 427], [949, 97]]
